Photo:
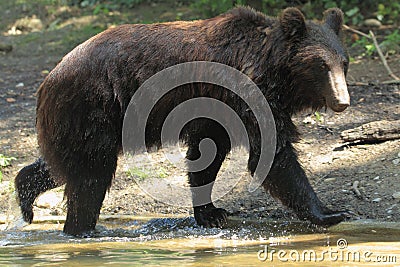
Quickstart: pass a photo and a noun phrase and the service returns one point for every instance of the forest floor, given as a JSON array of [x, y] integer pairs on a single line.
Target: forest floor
[[331, 165]]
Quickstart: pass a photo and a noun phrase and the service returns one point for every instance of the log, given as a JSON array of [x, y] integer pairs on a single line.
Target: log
[[373, 132]]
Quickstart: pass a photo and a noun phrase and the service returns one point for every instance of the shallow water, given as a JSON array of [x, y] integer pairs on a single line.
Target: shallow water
[[133, 241]]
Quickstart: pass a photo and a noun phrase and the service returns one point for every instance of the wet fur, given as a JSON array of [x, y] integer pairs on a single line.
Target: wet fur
[[81, 105]]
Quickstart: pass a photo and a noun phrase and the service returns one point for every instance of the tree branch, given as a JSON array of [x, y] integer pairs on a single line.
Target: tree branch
[[382, 57]]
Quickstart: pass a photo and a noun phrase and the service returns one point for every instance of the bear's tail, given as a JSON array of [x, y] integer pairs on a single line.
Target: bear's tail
[[30, 182]]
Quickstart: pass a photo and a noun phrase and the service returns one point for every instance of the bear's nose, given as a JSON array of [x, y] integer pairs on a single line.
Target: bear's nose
[[340, 106]]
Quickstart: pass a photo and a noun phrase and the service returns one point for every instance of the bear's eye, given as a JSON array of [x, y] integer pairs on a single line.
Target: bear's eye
[[324, 66]]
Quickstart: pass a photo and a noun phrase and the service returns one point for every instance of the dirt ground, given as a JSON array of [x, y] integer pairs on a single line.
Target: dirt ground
[[332, 166]]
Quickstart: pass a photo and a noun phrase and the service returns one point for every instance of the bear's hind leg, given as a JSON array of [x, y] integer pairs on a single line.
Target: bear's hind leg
[[288, 182], [30, 182], [90, 171], [84, 203]]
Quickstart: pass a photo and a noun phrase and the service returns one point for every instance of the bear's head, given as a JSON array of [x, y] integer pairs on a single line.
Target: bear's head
[[317, 60]]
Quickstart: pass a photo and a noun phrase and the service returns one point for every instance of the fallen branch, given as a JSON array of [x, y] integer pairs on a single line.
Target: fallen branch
[[390, 82], [356, 31], [382, 57], [373, 132], [357, 84], [372, 37]]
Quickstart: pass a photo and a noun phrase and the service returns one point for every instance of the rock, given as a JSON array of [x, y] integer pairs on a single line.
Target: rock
[[49, 200], [325, 159], [374, 23], [309, 120], [20, 85], [27, 24], [261, 209], [396, 161], [4, 187], [396, 195], [355, 189], [5, 48], [376, 200]]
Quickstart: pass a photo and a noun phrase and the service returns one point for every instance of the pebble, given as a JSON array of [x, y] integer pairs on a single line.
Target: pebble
[[19, 85], [376, 178], [372, 23], [396, 195], [377, 199], [396, 161], [325, 159], [329, 179], [309, 120]]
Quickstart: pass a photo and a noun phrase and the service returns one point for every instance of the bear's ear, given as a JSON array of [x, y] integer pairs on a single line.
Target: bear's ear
[[334, 19], [293, 23]]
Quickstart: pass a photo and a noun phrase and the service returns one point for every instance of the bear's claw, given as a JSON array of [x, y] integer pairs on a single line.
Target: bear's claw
[[331, 218], [210, 216]]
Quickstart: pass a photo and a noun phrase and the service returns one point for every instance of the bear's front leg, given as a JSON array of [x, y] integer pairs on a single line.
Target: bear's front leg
[[205, 213], [288, 182], [201, 182]]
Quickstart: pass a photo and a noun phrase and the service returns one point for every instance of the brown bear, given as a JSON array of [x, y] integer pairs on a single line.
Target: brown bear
[[297, 65]]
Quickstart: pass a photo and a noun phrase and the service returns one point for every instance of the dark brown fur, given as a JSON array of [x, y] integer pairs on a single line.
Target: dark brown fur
[[82, 102]]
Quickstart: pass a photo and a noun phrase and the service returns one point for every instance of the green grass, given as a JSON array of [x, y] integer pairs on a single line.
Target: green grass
[[142, 173], [4, 162]]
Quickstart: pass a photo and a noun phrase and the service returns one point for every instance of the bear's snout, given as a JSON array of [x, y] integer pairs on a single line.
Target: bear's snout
[[339, 107], [340, 102], [339, 98]]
